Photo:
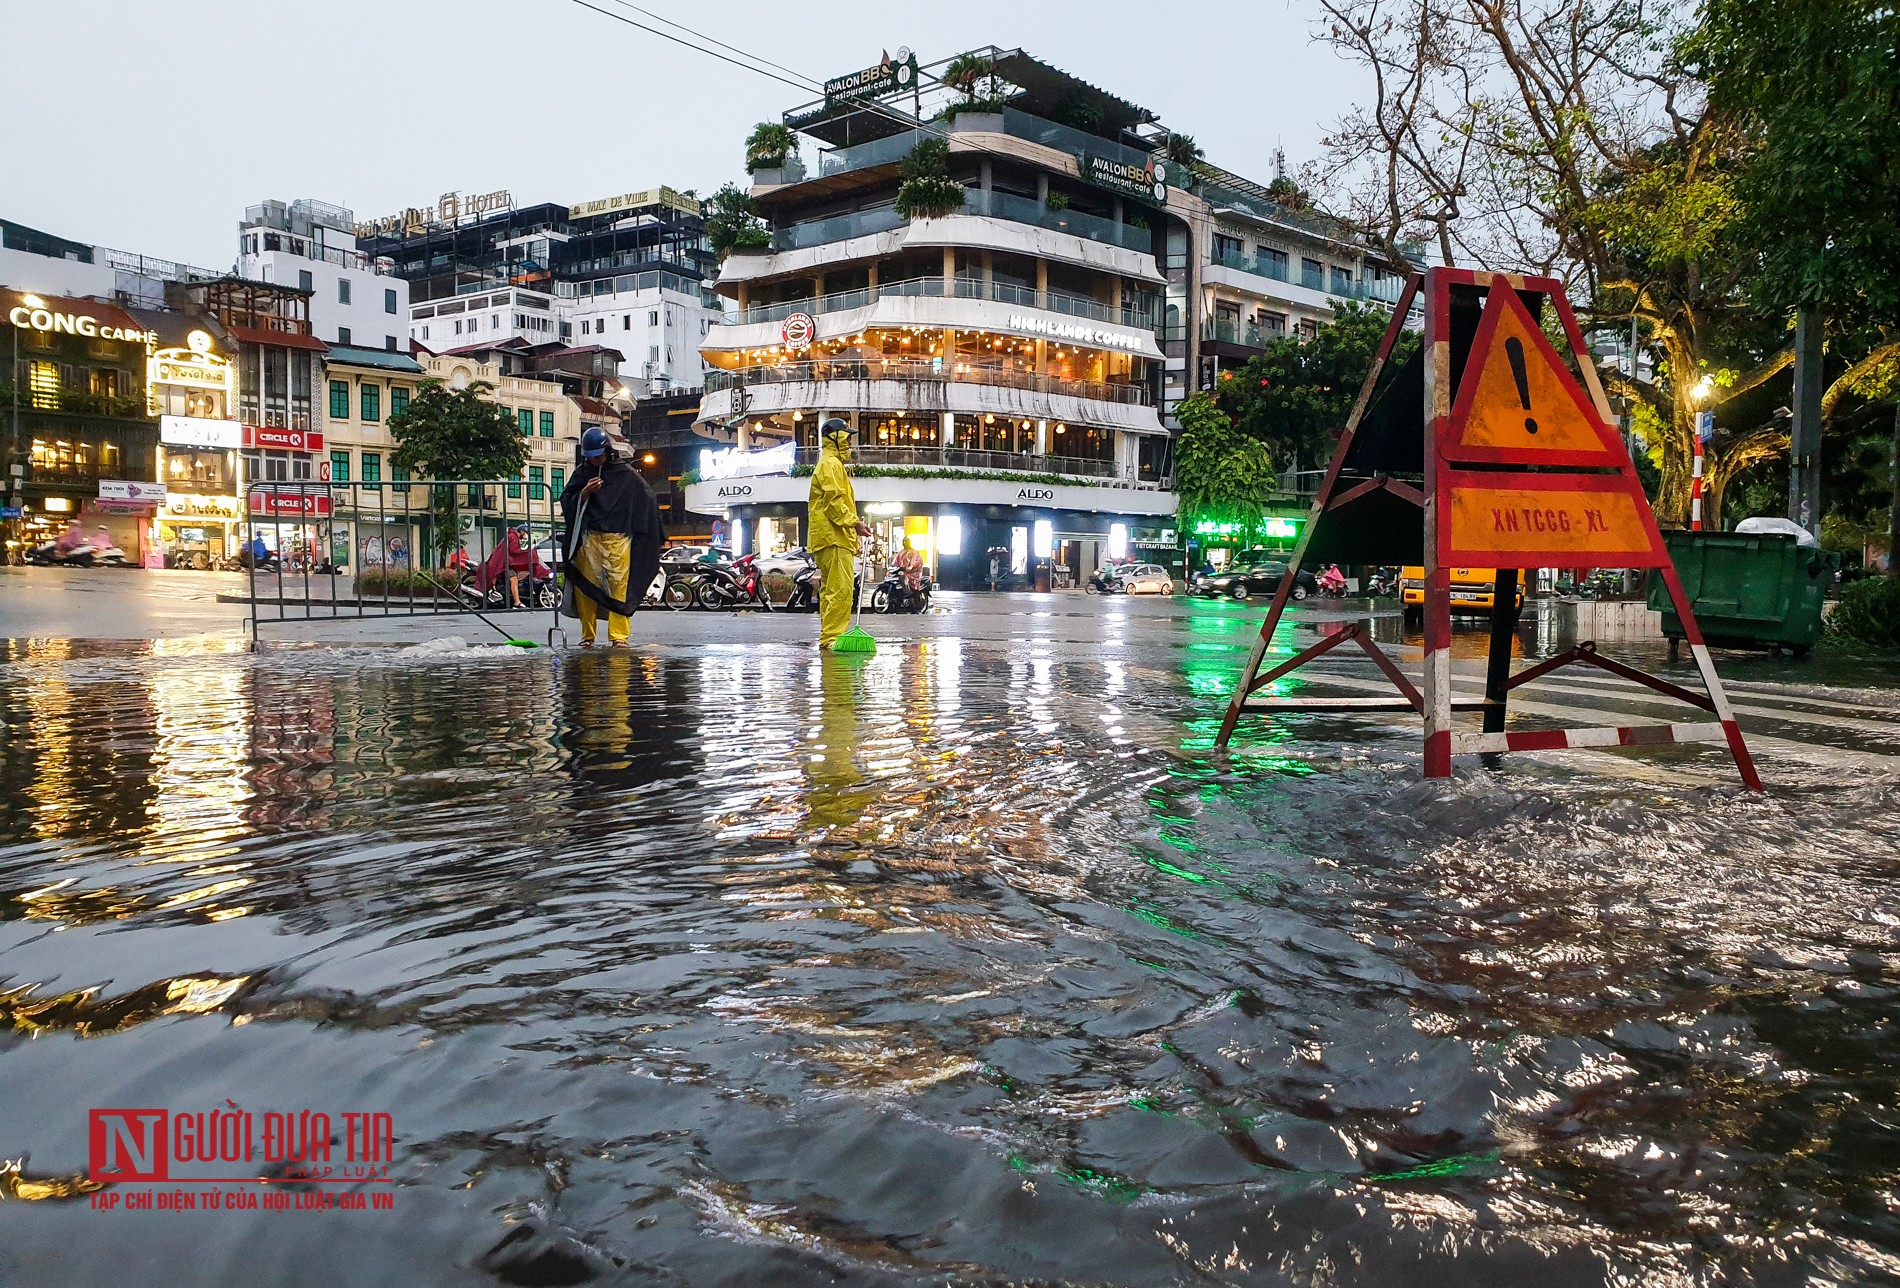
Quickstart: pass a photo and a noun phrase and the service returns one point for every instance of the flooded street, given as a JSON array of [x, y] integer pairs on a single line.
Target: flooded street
[[720, 961]]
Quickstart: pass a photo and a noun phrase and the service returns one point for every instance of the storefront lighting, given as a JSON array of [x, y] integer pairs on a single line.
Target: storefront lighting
[[1045, 540], [949, 534], [1062, 429], [1117, 541], [885, 507], [56, 505]]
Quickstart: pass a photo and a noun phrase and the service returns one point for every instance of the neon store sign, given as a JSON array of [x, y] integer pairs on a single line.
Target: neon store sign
[[1283, 528], [34, 315]]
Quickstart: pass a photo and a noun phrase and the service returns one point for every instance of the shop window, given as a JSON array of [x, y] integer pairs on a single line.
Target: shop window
[[547, 424], [372, 468], [398, 399], [525, 419], [536, 490], [389, 301], [372, 402], [339, 467]]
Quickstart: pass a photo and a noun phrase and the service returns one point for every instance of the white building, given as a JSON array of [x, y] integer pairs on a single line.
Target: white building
[[355, 299]]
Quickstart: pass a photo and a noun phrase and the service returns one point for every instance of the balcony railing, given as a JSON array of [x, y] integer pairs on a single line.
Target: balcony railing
[[306, 248], [1016, 123], [1237, 332], [927, 372], [965, 458], [996, 205], [1139, 316], [1276, 269], [877, 152]]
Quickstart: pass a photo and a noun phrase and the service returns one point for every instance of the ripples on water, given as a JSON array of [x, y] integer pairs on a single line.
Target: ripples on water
[[951, 964]]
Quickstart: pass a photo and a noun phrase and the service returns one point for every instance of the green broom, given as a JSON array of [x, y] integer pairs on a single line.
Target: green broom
[[856, 639]]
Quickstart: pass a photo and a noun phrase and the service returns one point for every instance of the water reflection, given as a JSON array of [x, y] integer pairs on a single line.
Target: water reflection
[[952, 963]]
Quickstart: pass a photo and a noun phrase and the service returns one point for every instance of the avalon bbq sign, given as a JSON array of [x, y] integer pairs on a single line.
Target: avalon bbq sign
[[886, 76], [1143, 182]]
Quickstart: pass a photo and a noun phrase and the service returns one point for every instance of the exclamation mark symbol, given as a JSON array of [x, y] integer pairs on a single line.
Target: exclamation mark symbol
[[1514, 350]]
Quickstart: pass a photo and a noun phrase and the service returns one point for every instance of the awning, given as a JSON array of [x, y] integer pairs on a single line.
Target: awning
[[282, 339]]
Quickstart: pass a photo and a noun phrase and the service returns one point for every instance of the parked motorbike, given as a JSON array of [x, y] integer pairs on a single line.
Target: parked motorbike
[[894, 595], [804, 596], [734, 585], [1103, 582]]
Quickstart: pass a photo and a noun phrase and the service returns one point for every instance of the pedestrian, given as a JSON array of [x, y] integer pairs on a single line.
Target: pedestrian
[[621, 537], [832, 516]]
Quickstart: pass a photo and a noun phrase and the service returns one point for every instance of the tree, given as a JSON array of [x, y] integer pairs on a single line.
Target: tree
[[1562, 138], [455, 434], [1220, 474], [1815, 83], [927, 190], [769, 146], [1295, 397], [733, 223]]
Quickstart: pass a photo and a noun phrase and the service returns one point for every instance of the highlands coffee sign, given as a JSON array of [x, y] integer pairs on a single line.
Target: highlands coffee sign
[[450, 208]]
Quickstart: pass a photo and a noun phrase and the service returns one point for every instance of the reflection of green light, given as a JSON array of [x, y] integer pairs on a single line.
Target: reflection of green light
[[1156, 918], [1272, 526], [1456, 1165], [1164, 866]]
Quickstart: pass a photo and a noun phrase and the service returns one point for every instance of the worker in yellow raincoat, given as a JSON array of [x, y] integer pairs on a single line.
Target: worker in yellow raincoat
[[835, 529]]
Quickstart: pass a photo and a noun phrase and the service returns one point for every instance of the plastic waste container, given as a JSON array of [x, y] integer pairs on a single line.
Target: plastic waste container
[[1747, 589]]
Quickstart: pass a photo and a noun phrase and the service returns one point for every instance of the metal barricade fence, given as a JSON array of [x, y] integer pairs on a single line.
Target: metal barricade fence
[[356, 551]]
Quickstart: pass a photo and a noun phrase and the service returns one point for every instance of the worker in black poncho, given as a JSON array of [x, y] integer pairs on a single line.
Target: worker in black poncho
[[621, 536]]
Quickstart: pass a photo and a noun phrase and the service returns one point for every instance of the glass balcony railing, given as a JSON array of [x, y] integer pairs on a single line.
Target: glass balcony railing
[[971, 459], [877, 152], [1235, 331], [1027, 210], [1017, 124], [1274, 268], [1064, 302], [921, 372], [817, 232]]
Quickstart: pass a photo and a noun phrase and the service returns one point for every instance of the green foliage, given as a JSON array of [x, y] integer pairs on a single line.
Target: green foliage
[[927, 190], [1056, 201], [926, 472], [1220, 474], [454, 434], [966, 71], [1289, 194], [767, 147], [379, 579], [984, 103], [1814, 83], [1181, 149], [733, 223], [1296, 396], [1869, 613]]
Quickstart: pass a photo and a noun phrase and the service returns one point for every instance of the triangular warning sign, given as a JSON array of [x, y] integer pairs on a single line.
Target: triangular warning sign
[[1517, 405]]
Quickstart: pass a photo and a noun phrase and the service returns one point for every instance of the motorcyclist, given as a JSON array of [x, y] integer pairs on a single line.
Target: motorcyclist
[[1332, 581], [512, 560], [70, 540], [910, 566]]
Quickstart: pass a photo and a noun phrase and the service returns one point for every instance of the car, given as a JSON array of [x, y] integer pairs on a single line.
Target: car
[[550, 552], [1244, 580], [1145, 579], [786, 562], [693, 554]]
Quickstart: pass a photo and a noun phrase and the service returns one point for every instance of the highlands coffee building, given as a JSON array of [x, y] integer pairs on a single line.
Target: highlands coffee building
[[1010, 362]]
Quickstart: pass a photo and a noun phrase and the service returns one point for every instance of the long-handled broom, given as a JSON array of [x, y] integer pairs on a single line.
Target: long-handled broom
[[856, 639]]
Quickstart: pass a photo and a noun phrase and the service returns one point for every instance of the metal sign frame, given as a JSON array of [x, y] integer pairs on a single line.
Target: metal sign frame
[[1441, 416]]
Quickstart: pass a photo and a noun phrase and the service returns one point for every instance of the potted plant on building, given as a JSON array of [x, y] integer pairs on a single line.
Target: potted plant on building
[[733, 223], [981, 107], [927, 190], [771, 155], [1182, 154]]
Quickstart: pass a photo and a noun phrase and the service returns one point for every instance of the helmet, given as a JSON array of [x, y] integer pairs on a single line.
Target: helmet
[[835, 428], [594, 444]]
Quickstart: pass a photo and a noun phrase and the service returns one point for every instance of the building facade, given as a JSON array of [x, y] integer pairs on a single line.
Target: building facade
[[355, 298], [627, 272], [363, 388], [1012, 364]]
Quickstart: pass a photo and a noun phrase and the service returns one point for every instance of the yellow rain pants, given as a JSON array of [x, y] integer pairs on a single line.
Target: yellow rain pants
[[606, 559]]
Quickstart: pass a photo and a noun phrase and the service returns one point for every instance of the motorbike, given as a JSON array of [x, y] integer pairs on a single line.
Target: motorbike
[[87, 556], [894, 595], [734, 585], [1102, 582], [1382, 584], [1332, 584], [804, 596]]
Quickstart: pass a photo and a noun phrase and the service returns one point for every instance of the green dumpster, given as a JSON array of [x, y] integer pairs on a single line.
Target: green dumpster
[[1747, 589]]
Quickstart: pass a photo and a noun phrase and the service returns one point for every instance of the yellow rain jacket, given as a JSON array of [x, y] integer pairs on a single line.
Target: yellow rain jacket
[[833, 506]]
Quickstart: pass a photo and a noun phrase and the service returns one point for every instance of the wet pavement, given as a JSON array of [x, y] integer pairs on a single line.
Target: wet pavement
[[719, 961]]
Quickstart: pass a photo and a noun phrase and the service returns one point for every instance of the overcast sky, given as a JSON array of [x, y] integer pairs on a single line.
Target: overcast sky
[[150, 126]]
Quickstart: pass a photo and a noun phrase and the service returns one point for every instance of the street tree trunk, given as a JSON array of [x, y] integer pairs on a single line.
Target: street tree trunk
[[1893, 515]]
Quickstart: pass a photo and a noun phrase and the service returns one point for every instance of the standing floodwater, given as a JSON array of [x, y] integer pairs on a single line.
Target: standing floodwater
[[963, 963]]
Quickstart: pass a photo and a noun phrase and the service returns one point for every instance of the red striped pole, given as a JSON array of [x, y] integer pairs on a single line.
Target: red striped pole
[[1695, 487]]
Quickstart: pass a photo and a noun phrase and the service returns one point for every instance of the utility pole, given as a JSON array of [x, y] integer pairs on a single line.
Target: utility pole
[[1804, 447]]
